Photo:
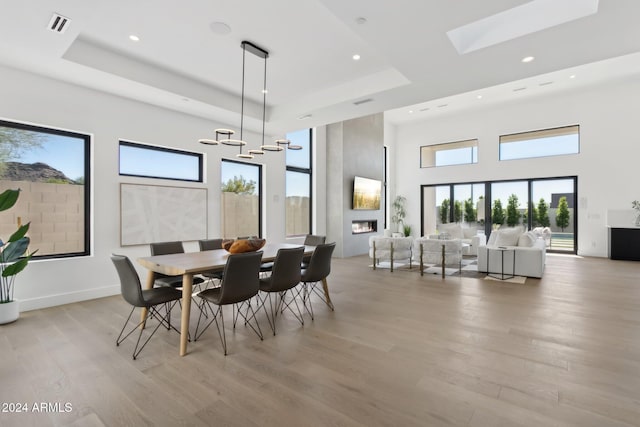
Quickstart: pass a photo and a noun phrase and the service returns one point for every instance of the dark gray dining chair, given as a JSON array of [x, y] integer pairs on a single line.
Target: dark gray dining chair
[[210, 245], [285, 276], [167, 248], [317, 271], [311, 240], [240, 283], [133, 293]]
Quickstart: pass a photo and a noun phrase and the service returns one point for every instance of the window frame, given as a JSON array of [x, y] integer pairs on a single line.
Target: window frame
[[551, 132], [87, 138], [259, 187], [463, 143], [308, 171], [127, 143]]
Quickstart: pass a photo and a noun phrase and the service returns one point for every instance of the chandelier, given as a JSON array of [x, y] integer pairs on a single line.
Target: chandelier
[[224, 136]]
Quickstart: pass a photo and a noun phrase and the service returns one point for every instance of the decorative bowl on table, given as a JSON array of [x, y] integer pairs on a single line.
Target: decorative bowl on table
[[238, 246]]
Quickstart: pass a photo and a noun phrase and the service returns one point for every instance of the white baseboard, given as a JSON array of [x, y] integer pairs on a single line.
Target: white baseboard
[[67, 298]]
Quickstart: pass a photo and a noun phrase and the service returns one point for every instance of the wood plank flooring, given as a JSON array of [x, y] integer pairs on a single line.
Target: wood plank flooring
[[400, 350]]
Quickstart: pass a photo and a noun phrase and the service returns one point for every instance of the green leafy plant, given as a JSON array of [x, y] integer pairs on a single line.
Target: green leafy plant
[[399, 210], [239, 185], [543, 214], [407, 230], [12, 258]]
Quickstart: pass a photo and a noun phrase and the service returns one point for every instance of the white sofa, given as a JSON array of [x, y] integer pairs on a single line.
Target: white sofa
[[392, 249], [529, 251]]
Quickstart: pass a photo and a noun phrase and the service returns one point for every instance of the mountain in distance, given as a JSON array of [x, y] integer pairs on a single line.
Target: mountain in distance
[[34, 172]]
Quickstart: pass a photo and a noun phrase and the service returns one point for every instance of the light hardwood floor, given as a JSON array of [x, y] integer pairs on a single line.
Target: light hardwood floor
[[400, 350]]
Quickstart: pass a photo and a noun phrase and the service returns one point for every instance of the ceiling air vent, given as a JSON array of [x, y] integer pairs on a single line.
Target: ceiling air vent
[[59, 23], [363, 101]]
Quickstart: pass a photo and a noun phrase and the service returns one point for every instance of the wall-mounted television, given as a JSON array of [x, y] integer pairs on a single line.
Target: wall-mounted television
[[366, 193]]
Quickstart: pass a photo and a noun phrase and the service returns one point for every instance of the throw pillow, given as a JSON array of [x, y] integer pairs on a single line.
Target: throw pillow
[[527, 239], [492, 238], [508, 237]]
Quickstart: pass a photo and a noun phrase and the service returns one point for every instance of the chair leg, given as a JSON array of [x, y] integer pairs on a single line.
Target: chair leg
[[287, 305], [247, 319], [153, 312]]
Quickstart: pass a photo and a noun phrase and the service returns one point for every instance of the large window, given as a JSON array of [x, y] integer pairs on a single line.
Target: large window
[[450, 153], [241, 205], [298, 177], [51, 168], [547, 203], [158, 162], [540, 143]]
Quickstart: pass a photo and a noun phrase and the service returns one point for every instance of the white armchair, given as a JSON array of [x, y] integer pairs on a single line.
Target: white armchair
[[392, 249], [437, 251], [467, 235]]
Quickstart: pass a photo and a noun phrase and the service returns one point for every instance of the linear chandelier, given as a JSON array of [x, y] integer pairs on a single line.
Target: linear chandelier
[[224, 136]]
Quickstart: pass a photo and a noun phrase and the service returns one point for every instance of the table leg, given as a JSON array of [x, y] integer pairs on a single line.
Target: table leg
[[187, 289], [326, 293], [151, 278]]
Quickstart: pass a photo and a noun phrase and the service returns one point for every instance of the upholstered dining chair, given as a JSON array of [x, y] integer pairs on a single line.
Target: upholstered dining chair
[[240, 283], [167, 248], [317, 271], [311, 240], [210, 245], [132, 293], [285, 276]]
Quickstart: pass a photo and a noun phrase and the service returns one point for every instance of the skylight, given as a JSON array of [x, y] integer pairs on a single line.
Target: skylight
[[519, 21]]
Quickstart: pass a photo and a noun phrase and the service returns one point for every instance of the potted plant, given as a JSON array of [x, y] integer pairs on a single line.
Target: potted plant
[[407, 230], [399, 212], [12, 261]]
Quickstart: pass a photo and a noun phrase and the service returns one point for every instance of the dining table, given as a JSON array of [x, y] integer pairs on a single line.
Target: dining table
[[189, 264]]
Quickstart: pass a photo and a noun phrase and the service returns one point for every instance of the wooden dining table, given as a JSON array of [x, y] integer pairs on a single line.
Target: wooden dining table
[[191, 263]]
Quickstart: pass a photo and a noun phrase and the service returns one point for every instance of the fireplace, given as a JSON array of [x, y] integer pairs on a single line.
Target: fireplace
[[364, 226]]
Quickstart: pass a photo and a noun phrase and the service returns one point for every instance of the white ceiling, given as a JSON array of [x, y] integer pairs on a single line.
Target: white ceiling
[[407, 61]]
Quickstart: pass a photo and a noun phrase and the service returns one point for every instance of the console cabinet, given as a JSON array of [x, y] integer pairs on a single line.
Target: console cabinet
[[624, 243]]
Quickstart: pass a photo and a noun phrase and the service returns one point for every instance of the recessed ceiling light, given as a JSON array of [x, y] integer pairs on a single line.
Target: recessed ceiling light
[[528, 59], [479, 96], [356, 57], [410, 111], [219, 28], [572, 76], [134, 38], [265, 91]]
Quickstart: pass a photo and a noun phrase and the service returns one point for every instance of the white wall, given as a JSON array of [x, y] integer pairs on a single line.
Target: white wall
[[42, 101], [606, 166]]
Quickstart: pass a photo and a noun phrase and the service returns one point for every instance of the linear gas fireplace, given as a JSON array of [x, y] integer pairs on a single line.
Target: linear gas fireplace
[[364, 226]]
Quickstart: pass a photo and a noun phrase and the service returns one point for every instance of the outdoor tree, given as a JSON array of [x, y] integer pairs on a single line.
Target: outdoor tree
[[14, 142], [444, 211], [497, 213], [543, 214], [239, 185], [457, 211], [513, 212], [562, 215], [469, 211]]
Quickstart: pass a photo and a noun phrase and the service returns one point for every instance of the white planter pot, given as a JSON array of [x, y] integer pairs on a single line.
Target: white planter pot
[[9, 312]]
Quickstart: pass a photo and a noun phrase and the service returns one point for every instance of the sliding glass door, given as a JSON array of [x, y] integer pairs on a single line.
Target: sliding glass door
[[537, 202], [553, 203]]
